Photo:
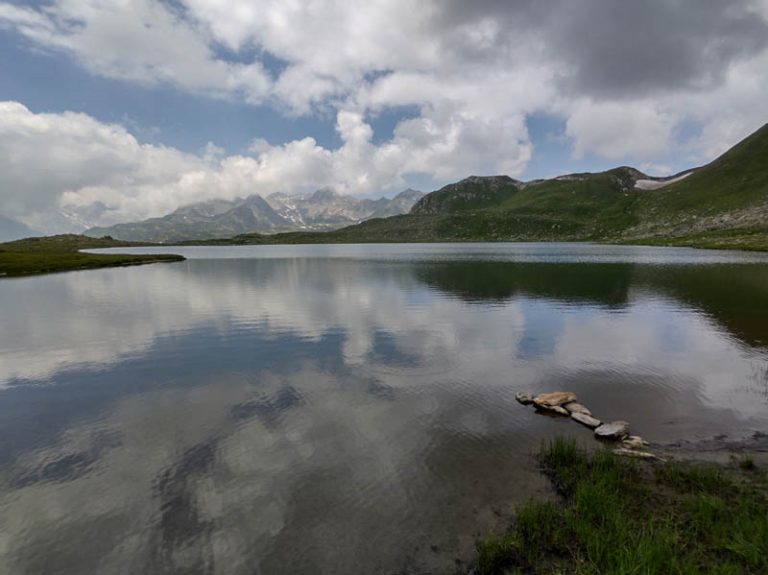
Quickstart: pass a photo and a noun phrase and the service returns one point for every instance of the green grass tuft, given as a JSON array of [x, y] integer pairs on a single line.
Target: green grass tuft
[[747, 463]]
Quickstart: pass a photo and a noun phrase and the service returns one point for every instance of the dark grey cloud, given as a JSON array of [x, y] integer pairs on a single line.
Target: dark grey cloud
[[628, 47], [614, 49]]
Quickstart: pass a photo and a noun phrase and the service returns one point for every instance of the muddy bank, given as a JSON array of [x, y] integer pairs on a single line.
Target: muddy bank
[[722, 449]]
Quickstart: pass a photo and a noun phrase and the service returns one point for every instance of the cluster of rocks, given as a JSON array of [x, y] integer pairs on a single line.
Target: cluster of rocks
[[565, 403]]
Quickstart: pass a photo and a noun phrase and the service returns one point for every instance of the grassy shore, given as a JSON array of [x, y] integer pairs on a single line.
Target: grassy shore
[[60, 253], [747, 239], [622, 516]]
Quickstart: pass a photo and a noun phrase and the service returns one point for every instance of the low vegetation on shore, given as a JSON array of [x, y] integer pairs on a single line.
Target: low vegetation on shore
[[618, 515], [750, 239], [61, 253]]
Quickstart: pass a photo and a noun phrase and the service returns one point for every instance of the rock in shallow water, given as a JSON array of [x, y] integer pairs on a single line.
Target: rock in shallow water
[[554, 399], [585, 419], [613, 430], [575, 407], [634, 442], [524, 398]]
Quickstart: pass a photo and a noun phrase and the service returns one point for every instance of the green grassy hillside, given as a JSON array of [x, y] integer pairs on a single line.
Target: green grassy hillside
[[600, 205], [472, 193], [730, 193]]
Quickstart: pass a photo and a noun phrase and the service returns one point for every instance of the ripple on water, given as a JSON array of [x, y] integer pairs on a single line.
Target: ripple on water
[[344, 409]]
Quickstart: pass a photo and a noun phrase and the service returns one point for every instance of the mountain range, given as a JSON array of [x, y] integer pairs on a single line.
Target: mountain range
[[721, 204], [322, 210]]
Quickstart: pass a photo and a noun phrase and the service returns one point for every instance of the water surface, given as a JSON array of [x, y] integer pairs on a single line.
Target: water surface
[[344, 409]]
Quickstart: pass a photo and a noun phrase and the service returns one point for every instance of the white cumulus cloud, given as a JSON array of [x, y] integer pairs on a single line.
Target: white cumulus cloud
[[101, 172]]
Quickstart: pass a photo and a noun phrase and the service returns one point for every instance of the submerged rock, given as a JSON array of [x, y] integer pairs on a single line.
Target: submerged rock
[[634, 442], [613, 430], [576, 407], [554, 399], [585, 419], [524, 398]]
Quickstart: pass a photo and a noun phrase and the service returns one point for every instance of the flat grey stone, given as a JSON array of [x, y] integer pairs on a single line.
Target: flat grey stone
[[576, 407], [585, 419], [613, 430]]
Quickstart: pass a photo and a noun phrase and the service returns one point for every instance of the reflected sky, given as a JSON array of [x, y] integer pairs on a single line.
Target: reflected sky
[[311, 410]]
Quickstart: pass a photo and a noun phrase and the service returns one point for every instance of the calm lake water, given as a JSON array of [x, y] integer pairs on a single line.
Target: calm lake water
[[344, 409]]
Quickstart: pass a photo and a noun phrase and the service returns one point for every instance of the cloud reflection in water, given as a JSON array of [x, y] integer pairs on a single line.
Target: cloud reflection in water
[[331, 414]]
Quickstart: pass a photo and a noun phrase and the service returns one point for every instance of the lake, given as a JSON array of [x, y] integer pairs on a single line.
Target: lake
[[345, 409]]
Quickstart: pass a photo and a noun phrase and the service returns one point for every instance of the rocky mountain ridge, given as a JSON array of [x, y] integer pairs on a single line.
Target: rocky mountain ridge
[[322, 210]]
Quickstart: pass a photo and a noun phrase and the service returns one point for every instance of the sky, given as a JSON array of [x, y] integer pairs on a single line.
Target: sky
[[120, 110]]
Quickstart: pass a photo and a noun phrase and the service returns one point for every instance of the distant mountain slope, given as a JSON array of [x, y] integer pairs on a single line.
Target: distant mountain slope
[[14, 230], [574, 206], [327, 210], [322, 210], [474, 192], [727, 196], [200, 221], [722, 204], [402, 203]]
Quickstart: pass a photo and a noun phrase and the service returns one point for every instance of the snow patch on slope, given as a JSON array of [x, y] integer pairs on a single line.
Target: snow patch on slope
[[656, 184]]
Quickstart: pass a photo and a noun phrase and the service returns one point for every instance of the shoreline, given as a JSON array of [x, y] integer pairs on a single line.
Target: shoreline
[[53, 267], [54, 254], [719, 449], [745, 243]]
